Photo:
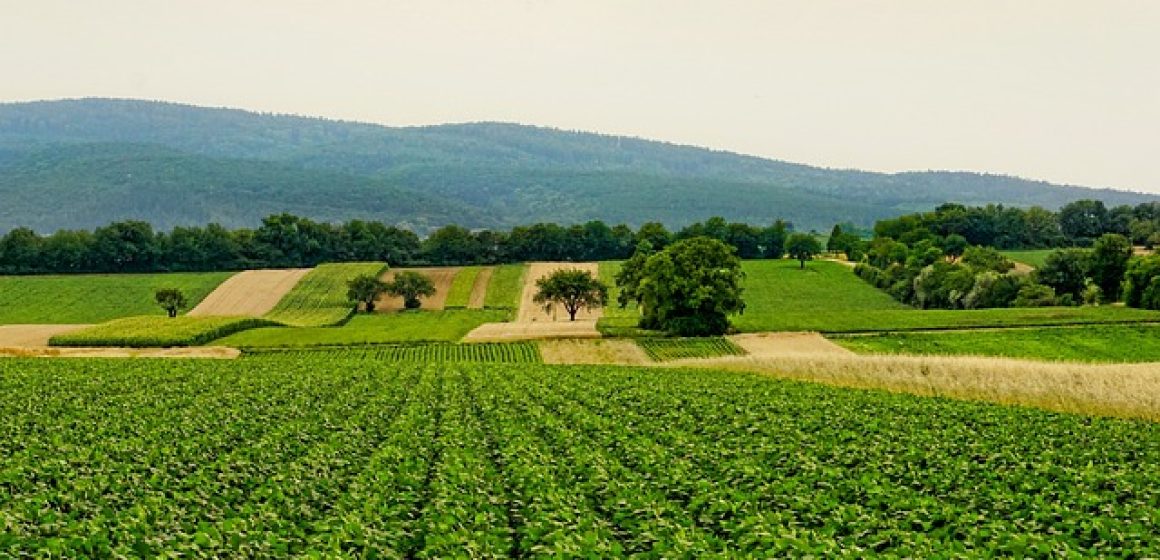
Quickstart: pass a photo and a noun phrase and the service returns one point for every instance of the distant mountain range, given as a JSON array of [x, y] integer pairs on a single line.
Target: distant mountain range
[[84, 163]]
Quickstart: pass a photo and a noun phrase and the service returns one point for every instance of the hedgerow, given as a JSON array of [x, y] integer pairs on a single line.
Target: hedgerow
[[155, 331]]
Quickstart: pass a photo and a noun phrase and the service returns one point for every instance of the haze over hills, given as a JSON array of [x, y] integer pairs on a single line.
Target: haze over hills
[[83, 163]]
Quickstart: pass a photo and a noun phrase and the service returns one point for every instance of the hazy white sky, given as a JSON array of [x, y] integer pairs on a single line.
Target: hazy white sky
[[1061, 90]]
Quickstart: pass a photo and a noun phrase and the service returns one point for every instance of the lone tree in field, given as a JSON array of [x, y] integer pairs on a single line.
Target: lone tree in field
[[803, 247], [365, 289], [170, 299], [688, 289], [574, 289], [410, 286]]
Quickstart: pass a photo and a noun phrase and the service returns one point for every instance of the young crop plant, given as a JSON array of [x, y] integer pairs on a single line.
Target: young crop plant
[[506, 352], [303, 455], [665, 349], [320, 298]]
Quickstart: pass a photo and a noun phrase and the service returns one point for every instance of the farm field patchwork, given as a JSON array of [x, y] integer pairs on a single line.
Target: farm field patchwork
[[354, 457], [505, 287], [1102, 343], [515, 352], [94, 298], [152, 331], [376, 328], [442, 278], [666, 349], [319, 298], [250, 293], [459, 294]]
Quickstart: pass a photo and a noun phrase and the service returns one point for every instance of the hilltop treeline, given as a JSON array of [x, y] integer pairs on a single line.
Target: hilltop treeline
[[286, 240]]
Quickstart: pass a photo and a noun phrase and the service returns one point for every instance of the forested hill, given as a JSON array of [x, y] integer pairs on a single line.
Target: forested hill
[[82, 163]]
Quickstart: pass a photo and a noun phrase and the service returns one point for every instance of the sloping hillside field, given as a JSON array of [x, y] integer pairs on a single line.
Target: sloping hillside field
[[334, 457], [319, 298], [93, 298]]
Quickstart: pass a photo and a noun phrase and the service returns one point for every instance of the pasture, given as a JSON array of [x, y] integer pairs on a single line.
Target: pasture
[[94, 298], [319, 298], [1103, 343], [1034, 258], [505, 287], [330, 456]]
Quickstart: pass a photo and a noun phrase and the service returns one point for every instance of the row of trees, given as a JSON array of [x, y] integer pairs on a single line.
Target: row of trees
[[1077, 224], [948, 276], [286, 240]]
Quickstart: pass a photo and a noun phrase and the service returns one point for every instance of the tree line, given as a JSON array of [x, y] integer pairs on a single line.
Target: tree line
[[286, 240]]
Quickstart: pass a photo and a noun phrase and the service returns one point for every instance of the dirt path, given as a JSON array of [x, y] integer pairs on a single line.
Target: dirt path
[[33, 335], [533, 322], [1022, 268], [213, 352], [479, 289], [250, 293], [440, 276]]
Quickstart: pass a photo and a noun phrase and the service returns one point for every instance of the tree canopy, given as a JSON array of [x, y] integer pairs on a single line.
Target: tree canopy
[[571, 288], [411, 286]]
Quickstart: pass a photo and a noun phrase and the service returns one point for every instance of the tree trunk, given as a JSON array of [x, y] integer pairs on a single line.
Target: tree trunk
[[370, 306], [803, 261], [173, 312]]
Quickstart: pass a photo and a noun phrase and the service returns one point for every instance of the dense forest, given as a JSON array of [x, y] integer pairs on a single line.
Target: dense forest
[[84, 163]]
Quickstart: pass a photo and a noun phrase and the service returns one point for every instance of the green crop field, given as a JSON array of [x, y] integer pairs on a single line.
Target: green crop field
[[460, 293], [1034, 258], [154, 331], [664, 349], [334, 457], [506, 286], [1119, 343], [319, 299], [505, 352], [376, 328], [94, 298]]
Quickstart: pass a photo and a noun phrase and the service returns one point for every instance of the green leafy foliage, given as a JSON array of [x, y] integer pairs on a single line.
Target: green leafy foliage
[[320, 298], [329, 456], [154, 331], [93, 298], [171, 300], [573, 289], [665, 349], [411, 286]]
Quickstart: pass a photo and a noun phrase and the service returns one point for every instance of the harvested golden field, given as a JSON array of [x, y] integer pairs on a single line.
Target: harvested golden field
[[250, 293], [786, 344], [1125, 390], [479, 289], [441, 277], [595, 352], [211, 352]]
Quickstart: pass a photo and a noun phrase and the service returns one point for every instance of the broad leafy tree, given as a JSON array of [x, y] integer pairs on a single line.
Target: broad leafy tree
[[411, 286], [573, 289], [802, 247], [1066, 271], [171, 300], [365, 289], [1109, 262], [689, 289]]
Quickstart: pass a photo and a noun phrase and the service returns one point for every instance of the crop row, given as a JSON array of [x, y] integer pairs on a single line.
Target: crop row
[[665, 349], [319, 299], [508, 352], [317, 455], [157, 331]]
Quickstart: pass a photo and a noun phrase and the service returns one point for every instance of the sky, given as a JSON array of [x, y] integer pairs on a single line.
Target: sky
[[1060, 90]]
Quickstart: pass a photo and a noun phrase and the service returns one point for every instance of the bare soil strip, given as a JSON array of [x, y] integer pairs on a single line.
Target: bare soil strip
[[33, 335], [211, 352], [532, 312], [1022, 269], [250, 293], [775, 344], [507, 332], [594, 352], [533, 322], [479, 289], [440, 276]]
